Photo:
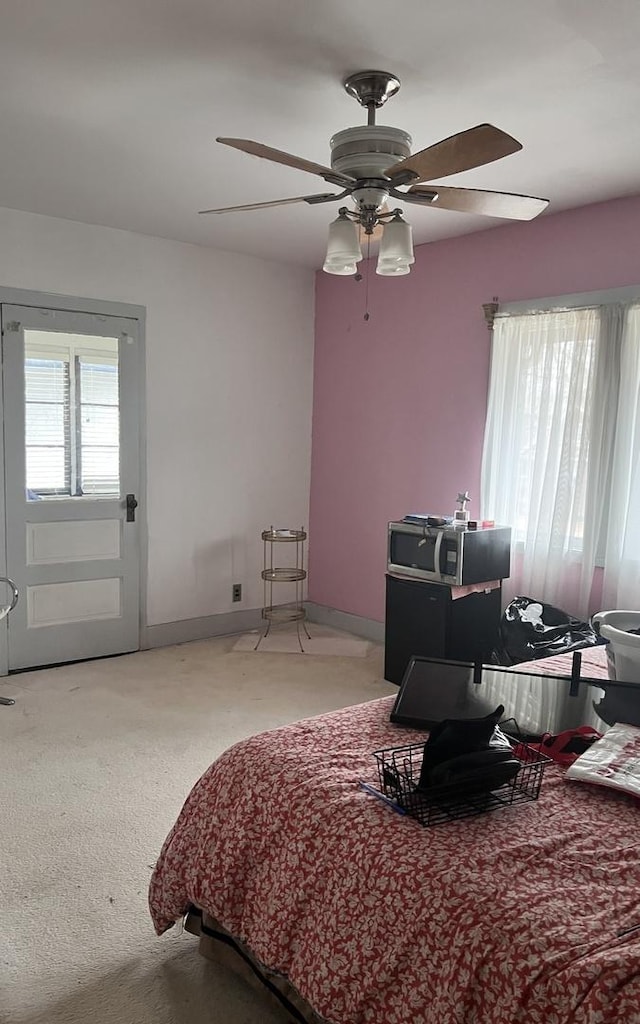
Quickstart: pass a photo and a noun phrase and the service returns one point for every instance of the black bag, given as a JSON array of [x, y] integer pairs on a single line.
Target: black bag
[[531, 629], [469, 754]]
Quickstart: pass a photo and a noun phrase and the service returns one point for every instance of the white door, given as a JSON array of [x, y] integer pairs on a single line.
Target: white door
[[71, 448]]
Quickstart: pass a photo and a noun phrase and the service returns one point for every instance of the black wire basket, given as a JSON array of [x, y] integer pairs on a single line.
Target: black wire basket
[[399, 773]]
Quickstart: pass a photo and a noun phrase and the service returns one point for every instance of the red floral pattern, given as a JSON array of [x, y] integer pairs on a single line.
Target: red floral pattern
[[593, 663], [507, 918]]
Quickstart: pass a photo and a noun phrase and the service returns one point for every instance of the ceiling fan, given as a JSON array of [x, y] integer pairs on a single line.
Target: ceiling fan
[[373, 163]]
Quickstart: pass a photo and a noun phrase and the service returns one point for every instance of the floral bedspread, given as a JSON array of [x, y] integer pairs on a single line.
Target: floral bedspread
[[512, 917], [593, 663]]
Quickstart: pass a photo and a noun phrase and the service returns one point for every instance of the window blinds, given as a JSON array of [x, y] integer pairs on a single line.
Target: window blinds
[[72, 442], [48, 425]]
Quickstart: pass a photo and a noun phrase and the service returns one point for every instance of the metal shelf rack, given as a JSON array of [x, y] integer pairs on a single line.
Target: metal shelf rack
[[292, 573]]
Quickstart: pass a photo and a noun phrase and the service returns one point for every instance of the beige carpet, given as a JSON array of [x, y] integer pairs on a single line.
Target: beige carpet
[[288, 640], [95, 762]]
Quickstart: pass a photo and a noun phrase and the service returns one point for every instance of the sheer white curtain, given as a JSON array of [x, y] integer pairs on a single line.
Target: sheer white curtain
[[561, 448], [621, 587]]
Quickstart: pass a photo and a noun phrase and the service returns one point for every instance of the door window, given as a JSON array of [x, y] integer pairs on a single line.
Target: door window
[[71, 416]]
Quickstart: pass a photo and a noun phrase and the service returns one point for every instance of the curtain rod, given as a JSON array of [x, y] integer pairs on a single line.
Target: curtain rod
[[493, 313], [628, 295], [562, 309]]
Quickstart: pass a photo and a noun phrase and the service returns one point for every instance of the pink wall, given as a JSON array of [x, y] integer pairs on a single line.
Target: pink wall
[[400, 400]]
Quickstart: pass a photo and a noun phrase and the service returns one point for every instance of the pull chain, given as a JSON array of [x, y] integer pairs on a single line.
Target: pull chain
[[366, 283]]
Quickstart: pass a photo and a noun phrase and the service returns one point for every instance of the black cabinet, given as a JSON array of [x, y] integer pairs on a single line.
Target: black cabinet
[[424, 619]]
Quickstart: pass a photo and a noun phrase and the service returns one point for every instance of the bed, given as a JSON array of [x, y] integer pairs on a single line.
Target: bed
[[346, 912]]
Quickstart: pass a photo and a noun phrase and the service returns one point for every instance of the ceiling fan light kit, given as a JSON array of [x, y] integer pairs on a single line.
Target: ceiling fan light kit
[[396, 248], [373, 163], [343, 246]]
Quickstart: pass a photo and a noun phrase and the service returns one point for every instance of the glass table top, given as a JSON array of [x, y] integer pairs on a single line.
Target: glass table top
[[433, 690]]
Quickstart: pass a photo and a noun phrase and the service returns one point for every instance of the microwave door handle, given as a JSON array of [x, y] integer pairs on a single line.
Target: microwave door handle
[[436, 552]]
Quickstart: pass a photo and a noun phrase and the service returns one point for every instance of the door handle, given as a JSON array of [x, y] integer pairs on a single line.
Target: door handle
[[5, 609], [132, 505]]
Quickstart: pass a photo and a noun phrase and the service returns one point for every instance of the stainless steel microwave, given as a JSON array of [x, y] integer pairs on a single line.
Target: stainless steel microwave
[[449, 555]]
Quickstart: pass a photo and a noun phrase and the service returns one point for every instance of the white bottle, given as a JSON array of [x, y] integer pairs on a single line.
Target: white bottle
[[461, 515]]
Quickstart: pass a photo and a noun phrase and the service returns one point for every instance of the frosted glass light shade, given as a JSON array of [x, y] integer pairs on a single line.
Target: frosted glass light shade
[[396, 249], [343, 245], [339, 267], [392, 269]]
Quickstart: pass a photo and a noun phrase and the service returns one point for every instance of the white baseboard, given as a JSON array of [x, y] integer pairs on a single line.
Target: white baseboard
[[185, 630], [356, 624]]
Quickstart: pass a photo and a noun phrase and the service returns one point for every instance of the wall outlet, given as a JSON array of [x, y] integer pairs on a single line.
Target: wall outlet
[[237, 592]]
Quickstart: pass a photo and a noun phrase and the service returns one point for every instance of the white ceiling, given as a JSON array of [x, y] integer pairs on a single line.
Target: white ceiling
[[109, 109]]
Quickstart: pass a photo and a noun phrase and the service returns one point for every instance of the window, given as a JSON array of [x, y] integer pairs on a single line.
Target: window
[[562, 445], [72, 445], [47, 425], [98, 449]]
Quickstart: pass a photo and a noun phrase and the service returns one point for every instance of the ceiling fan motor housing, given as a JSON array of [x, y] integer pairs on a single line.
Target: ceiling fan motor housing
[[367, 151]]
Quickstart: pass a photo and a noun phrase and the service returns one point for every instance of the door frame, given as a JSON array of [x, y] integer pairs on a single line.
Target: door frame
[[104, 307]]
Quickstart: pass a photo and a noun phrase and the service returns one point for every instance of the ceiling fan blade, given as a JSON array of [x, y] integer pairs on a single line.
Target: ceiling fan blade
[[474, 200], [471, 148], [323, 197], [280, 157]]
